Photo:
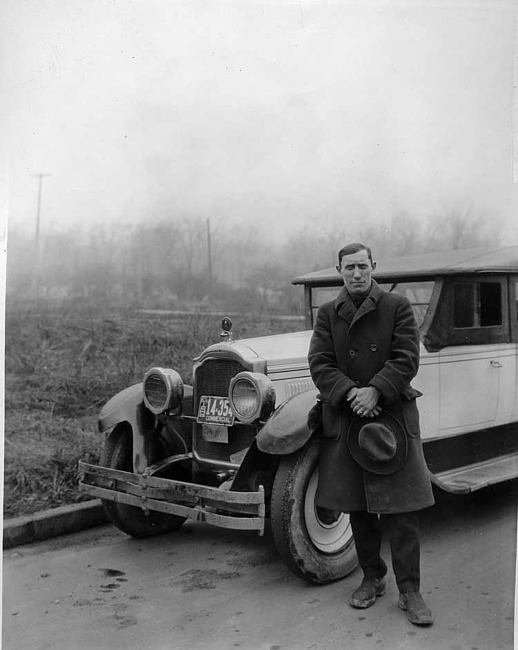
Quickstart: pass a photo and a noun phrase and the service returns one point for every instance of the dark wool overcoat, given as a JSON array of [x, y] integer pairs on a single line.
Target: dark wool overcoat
[[376, 345]]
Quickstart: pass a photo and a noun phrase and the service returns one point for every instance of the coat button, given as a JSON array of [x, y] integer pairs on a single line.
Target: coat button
[[374, 347], [352, 353]]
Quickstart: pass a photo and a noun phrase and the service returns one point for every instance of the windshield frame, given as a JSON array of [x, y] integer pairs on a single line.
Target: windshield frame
[[317, 295]]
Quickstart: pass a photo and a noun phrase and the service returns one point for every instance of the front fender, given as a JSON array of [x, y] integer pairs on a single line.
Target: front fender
[[287, 428], [122, 407], [128, 406]]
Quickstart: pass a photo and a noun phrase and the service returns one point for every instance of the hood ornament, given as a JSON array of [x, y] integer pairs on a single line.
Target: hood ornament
[[226, 329]]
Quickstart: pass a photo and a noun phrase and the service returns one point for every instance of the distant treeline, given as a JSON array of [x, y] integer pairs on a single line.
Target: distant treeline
[[190, 262]]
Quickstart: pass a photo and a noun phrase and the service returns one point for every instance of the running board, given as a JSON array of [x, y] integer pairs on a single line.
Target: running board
[[462, 480]]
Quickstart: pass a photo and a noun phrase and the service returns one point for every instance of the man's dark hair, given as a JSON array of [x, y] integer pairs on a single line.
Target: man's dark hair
[[353, 248]]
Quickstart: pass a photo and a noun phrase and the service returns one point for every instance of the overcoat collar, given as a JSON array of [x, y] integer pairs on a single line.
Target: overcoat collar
[[345, 306]]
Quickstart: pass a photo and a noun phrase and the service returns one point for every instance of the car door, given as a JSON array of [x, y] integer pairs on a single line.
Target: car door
[[481, 360]]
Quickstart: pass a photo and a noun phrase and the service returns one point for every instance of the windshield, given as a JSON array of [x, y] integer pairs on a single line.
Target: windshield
[[418, 293]]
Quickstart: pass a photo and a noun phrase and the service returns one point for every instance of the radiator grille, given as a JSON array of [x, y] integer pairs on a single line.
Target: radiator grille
[[213, 378]]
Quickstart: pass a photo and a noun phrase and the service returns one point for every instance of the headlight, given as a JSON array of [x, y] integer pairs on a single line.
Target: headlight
[[252, 396], [163, 390]]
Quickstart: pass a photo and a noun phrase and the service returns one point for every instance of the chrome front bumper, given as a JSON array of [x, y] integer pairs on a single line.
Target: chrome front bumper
[[223, 508]]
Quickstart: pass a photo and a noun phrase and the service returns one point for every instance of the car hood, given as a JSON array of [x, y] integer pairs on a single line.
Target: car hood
[[279, 351]]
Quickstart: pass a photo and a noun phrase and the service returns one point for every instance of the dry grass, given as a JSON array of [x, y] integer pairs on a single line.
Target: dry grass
[[62, 364]]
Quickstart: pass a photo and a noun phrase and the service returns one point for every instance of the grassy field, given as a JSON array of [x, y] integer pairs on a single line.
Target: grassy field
[[63, 362]]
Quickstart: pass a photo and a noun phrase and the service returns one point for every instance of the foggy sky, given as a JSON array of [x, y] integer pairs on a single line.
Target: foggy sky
[[277, 112]]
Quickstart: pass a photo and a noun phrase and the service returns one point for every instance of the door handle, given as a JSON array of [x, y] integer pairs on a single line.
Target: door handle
[[496, 364]]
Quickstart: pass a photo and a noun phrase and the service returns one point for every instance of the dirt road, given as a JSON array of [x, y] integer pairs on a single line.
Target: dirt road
[[207, 589]]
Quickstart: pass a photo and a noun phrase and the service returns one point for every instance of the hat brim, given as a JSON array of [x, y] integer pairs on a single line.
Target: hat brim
[[369, 464]]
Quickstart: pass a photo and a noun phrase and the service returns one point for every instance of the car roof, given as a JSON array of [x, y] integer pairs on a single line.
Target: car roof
[[428, 266]]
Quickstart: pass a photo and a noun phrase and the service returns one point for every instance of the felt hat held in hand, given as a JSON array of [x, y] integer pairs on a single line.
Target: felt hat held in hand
[[379, 445]]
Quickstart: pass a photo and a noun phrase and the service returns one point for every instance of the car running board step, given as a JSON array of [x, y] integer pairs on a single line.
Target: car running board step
[[463, 480]]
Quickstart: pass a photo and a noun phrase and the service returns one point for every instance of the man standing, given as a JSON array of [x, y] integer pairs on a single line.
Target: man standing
[[363, 354]]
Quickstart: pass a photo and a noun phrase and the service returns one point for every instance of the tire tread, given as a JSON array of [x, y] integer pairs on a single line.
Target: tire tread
[[288, 526]]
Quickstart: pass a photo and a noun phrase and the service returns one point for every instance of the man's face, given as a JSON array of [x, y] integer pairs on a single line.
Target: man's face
[[356, 270]]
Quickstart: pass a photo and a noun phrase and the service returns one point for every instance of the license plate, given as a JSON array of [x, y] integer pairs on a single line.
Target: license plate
[[215, 410], [214, 433]]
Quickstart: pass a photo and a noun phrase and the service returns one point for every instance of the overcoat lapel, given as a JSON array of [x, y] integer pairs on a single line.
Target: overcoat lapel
[[344, 306]]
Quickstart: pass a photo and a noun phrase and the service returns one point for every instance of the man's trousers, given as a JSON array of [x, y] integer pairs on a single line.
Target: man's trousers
[[403, 533]]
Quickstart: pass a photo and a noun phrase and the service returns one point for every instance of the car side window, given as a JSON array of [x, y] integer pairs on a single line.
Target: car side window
[[477, 304], [470, 311], [490, 301]]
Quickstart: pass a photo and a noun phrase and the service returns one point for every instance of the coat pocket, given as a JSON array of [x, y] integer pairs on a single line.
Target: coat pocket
[[411, 417], [315, 417], [332, 422], [411, 393]]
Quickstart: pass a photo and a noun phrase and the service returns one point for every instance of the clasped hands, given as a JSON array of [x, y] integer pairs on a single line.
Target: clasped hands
[[364, 401]]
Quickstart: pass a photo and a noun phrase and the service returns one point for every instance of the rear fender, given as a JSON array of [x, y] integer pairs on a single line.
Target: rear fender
[[128, 406], [287, 429]]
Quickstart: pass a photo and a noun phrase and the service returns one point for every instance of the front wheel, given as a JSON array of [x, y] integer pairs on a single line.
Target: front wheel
[[117, 454], [312, 550]]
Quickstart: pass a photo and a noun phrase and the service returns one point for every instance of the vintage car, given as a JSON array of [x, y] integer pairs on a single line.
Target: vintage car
[[235, 448]]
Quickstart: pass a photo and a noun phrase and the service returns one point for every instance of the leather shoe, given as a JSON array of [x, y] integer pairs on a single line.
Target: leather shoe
[[416, 610], [366, 594]]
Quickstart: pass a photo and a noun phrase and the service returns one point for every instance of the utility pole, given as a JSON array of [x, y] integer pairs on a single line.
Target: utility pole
[[37, 256], [209, 259], [40, 176]]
